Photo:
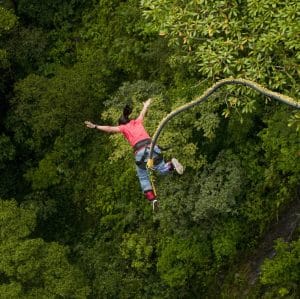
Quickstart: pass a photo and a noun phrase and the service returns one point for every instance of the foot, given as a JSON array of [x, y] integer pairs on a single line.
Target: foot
[[150, 195], [178, 167]]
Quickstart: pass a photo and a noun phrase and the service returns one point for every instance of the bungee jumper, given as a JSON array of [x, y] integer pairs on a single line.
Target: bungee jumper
[[148, 155], [135, 133]]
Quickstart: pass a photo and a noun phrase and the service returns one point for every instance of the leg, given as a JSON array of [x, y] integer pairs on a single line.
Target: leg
[[143, 178], [163, 167], [145, 183]]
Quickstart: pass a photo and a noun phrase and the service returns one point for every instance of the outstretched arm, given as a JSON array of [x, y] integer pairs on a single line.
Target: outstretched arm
[[144, 110], [108, 129]]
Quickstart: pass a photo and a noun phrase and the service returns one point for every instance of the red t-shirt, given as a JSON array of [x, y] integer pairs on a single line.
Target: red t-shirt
[[134, 131]]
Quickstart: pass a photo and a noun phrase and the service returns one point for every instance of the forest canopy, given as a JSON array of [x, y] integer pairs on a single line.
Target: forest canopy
[[74, 222]]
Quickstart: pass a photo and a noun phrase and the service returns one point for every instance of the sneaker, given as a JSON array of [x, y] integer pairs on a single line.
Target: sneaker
[[155, 204], [178, 167]]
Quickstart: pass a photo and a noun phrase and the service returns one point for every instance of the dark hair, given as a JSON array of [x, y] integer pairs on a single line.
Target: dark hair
[[124, 118]]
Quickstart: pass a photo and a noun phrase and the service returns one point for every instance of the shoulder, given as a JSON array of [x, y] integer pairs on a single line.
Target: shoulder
[[138, 120], [121, 128], [125, 127]]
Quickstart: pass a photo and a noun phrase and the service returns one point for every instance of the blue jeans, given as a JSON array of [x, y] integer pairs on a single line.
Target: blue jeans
[[162, 167]]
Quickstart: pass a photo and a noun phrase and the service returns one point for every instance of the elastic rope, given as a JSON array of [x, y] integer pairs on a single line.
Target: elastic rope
[[275, 95], [151, 176]]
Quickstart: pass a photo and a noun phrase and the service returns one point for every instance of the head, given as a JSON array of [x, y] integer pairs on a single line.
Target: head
[[124, 118]]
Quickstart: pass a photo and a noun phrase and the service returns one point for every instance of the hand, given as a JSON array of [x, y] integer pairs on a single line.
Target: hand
[[147, 103], [90, 125]]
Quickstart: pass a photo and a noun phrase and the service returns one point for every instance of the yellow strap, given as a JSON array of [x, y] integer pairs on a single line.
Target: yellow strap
[[150, 163]]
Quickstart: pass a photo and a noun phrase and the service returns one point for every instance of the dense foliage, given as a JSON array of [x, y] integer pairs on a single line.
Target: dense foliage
[[74, 223]]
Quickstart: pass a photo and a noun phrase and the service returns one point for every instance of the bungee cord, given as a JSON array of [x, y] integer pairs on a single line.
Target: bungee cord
[[269, 93]]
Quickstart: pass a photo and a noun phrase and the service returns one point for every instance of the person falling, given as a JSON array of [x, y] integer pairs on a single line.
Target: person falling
[[137, 136]]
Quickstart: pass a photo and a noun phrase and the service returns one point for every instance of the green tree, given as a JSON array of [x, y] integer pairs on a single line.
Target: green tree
[[182, 261], [226, 238], [282, 272], [227, 37], [50, 14], [115, 29], [68, 61], [29, 266], [28, 50], [7, 150], [8, 21]]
